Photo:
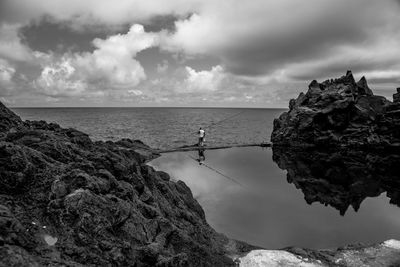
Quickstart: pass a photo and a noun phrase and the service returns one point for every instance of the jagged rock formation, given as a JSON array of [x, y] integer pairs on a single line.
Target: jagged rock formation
[[339, 112], [341, 178], [8, 119], [396, 96], [68, 201]]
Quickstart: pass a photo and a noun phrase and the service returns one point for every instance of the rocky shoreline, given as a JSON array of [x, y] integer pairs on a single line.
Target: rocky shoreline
[[340, 112], [68, 201], [339, 144]]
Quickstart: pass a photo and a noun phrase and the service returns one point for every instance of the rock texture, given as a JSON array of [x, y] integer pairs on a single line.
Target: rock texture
[[339, 112], [68, 201], [341, 178], [384, 254]]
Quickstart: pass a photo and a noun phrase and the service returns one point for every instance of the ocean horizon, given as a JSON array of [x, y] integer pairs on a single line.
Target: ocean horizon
[[163, 127]]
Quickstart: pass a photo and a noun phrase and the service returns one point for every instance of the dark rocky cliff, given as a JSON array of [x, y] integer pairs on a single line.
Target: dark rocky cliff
[[68, 201], [339, 112]]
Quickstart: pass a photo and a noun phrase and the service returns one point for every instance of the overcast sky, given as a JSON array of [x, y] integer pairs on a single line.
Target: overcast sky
[[236, 53]]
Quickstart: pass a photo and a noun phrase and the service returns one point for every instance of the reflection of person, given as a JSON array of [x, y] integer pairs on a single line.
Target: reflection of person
[[202, 156], [202, 134]]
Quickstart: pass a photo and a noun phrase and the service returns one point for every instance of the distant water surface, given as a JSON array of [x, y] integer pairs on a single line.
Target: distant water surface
[[162, 127]]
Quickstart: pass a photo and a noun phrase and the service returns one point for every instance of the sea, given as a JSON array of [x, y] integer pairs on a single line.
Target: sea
[[163, 127], [243, 191]]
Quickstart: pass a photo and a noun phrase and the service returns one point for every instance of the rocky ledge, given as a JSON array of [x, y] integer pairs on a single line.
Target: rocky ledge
[[68, 201], [339, 112]]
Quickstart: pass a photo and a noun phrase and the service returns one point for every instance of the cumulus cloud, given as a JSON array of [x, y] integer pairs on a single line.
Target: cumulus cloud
[[211, 87], [114, 58], [60, 80], [6, 71], [112, 65], [11, 46], [203, 81], [7, 75], [262, 49]]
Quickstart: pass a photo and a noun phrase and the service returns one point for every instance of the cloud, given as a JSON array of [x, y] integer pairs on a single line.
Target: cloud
[[6, 71], [11, 46], [114, 60], [112, 65], [135, 92], [203, 81], [380, 56], [260, 37], [162, 68], [81, 14], [59, 80], [6, 75], [261, 50]]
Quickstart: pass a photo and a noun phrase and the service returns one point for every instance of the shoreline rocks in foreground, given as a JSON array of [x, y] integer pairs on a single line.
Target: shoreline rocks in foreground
[[68, 201], [339, 112], [385, 254]]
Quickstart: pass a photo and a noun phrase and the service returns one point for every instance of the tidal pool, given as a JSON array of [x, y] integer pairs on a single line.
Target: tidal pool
[[267, 210]]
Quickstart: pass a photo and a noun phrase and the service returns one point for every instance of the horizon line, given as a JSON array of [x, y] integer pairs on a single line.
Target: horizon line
[[51, 107]]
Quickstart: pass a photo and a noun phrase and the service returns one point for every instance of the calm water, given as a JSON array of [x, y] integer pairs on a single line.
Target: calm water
[[162, 127], [270, 212], [270, 208]]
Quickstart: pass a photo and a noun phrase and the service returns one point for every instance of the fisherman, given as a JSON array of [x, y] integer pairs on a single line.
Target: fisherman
[[202, 134]]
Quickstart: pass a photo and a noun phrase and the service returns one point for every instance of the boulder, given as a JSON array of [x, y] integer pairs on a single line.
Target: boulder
[[339, 112]]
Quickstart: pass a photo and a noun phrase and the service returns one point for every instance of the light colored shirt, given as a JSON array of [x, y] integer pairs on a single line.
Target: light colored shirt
[[201, 133]]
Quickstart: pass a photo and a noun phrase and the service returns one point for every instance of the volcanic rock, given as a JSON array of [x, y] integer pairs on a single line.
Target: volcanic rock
[[339, 112], [97, 202], [8, 119], [383, 254], [396, 96]]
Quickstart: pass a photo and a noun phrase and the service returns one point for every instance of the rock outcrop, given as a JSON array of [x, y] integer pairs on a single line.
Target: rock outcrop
[[8, 119], [339, 112], [384, 254], [341, 178], [68, 201]]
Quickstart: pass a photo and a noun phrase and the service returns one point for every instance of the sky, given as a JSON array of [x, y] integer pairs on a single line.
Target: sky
[[225, 53]]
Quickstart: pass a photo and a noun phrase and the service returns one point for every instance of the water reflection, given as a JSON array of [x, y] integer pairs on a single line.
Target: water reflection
[[341, 178], [269, 212], [202, 155]]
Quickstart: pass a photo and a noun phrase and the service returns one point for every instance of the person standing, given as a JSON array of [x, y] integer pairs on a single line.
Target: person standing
[[202, 134]]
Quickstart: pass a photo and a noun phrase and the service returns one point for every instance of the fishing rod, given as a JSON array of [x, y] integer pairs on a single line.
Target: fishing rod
[[225, 119], [220, 173], [216, 123]]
